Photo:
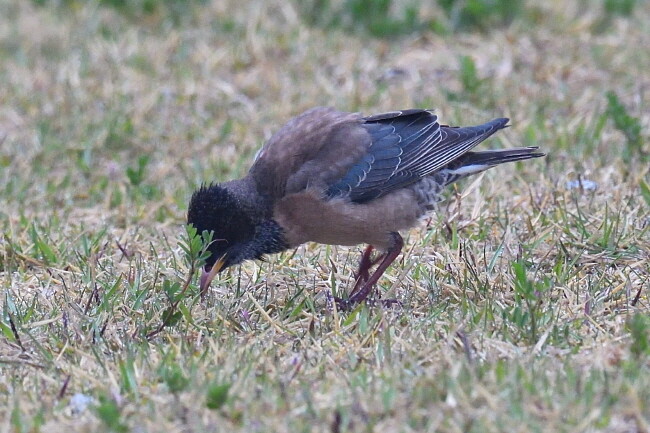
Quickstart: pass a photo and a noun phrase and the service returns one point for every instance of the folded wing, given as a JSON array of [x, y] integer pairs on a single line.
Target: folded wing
[[405, 147]]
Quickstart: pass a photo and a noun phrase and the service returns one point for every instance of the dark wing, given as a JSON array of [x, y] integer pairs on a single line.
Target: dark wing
[[406, 146]]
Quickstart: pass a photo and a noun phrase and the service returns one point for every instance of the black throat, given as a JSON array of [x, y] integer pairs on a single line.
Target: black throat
[[269, 239]]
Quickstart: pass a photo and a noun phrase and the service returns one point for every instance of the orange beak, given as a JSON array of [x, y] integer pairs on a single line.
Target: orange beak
[[207, 277]]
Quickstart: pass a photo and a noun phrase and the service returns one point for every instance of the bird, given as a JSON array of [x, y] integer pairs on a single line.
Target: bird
[[341, 178]]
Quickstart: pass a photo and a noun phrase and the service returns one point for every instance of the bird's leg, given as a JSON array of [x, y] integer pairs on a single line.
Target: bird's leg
[[360, 294], [365, 264], [364, 267]]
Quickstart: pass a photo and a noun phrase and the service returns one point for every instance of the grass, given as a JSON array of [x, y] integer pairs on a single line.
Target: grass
[[525, 297]]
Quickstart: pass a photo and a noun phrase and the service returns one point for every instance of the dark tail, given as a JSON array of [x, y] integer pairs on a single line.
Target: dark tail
[[490, 158], [475, 162]]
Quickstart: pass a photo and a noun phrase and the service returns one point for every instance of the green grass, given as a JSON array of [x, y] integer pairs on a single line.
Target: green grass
[[525, 297]]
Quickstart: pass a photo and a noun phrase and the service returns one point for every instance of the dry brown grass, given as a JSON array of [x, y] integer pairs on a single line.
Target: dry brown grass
[[85, 249]]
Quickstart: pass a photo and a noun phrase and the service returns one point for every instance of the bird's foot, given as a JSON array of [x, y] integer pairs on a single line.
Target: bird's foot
[[388, 303], [342, 304], [374, 299], [348, 304]]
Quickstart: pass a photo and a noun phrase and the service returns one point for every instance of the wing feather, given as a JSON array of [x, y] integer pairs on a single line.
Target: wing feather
[[405, 147]]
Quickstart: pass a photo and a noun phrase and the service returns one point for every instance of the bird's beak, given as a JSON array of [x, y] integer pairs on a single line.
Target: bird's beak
[[207, 277]]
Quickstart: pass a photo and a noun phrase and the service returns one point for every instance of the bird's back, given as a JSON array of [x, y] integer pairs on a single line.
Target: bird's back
[[314, 148], [361, 158]]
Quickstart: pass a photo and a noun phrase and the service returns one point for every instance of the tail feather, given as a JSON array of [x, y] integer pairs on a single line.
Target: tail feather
[[476, 162], [499, 156]]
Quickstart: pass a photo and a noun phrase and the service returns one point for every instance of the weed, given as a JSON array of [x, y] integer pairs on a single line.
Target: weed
[[174, 11], [109, 412], [629, 126], [480, 14], [217, 395], [379, 18]]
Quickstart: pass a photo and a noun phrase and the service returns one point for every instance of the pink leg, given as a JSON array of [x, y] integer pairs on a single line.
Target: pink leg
[[364, 266], [361, 292]]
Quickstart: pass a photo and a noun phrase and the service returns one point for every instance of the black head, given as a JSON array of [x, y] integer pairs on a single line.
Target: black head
[[215, 208], [237, 235]]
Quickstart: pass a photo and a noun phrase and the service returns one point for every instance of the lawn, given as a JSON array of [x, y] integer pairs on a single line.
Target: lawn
[[525, 297]]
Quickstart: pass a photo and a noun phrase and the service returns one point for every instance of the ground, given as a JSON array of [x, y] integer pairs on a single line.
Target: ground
[[524, 297]]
